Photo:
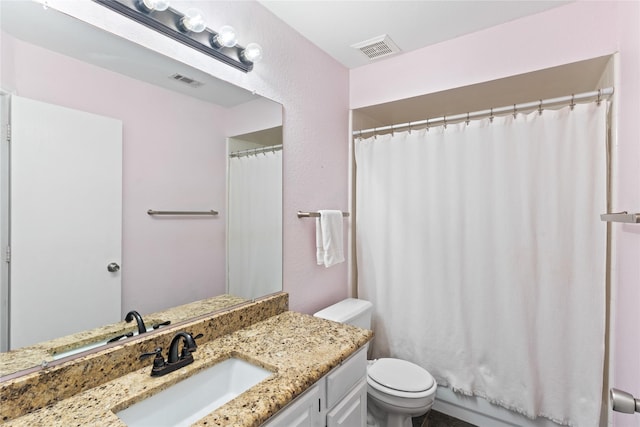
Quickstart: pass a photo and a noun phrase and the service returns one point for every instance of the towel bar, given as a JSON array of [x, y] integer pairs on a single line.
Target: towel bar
[[315, 214], [624, 402], [633, 218], [153, 212]]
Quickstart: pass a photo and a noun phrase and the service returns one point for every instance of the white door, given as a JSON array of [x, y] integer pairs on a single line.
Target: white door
[[65, 221]]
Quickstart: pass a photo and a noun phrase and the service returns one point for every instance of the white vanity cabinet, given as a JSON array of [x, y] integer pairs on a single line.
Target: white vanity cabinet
[[351, 411], [339, 399], [302, 412]]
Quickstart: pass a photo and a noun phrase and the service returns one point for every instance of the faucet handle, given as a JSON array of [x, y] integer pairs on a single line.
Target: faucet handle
[[158, 325], [119, 337], [157, 351], [158, 360]]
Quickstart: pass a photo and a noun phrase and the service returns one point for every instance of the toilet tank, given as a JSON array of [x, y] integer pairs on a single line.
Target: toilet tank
[[352, 311]]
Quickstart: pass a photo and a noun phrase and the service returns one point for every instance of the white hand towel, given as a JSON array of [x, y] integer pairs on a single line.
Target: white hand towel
[[329, 240]]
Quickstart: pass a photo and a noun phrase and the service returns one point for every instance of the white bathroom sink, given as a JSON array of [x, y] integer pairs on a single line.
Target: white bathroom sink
[[189, 400]]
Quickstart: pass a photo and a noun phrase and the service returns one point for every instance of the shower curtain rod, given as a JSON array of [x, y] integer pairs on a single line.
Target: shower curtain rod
[[597, 95], [250, 151]]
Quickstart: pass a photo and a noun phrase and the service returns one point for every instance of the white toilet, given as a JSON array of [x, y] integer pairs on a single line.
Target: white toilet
[[397, 389]]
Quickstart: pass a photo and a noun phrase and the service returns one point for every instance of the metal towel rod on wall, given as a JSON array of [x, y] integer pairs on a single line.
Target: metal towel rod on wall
[[624, 216], [153, 212], [315, 214]]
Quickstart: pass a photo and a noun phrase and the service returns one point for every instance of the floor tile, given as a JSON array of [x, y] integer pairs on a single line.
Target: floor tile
[[438, 419]]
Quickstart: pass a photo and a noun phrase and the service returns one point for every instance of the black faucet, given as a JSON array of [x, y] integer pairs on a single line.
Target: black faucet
[[188, 345], [134, 314], [174, 361]]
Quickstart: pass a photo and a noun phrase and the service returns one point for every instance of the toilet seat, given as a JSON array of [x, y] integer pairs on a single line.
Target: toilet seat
[[400, 378]]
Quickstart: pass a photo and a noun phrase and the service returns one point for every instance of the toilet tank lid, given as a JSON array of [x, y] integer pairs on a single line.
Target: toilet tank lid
[[344, 310]]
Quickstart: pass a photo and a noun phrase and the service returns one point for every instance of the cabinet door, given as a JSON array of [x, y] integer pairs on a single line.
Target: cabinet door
[[303, 412], [352, 410]]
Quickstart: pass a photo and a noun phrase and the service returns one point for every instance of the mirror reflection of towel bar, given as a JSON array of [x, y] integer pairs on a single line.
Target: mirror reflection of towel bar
[[152, 212], [316, 214]]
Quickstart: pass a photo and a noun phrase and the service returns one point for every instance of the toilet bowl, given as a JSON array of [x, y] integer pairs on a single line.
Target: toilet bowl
[[397, 390]]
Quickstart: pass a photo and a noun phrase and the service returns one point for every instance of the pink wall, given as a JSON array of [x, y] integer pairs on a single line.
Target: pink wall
[[569, 33], [312, 87], [253, 116]]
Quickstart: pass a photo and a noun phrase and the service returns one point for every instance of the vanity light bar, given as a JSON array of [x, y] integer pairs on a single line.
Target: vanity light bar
[[167, 22]]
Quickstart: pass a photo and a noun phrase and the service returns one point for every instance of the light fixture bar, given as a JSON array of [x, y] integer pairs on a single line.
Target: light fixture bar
[[167, 21]]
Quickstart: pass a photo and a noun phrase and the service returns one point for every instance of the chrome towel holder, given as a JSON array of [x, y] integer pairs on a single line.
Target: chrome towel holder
[[154, 212], [315, 214], [624, 216]]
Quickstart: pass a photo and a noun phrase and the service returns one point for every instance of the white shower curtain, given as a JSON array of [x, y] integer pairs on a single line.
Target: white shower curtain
[[482, 251], [255, 224]]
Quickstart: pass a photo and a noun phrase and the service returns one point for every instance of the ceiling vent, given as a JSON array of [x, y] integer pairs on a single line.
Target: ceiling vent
[[377, 47], [186, 80]]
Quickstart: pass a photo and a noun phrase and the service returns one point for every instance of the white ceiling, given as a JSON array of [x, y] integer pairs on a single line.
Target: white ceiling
[[334, 26]]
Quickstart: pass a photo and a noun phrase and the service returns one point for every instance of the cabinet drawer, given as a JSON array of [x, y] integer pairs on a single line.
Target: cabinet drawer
[[344, 377]]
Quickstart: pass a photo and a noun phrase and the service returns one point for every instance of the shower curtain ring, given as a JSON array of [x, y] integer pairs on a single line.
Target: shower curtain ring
[[515, 111], [573, 104], [409, 128], [444, 118], [599, 95], [467, 121], [491, 115], [540, 108]]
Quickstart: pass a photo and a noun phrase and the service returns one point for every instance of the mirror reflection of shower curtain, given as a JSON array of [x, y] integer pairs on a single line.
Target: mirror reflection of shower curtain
[[255, 224]]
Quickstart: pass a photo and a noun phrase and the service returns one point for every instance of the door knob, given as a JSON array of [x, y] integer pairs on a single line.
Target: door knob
[[113, 267]]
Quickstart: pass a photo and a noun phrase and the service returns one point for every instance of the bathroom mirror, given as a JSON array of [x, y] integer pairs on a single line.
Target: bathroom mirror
[[176, 121]]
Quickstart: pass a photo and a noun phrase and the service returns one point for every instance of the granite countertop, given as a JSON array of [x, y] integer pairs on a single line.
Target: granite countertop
[[299, 349], [34, 355]]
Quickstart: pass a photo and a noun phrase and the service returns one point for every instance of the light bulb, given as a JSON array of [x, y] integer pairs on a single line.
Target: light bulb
[[226, 37], [252, 53], [193, 21], [151, 5]]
